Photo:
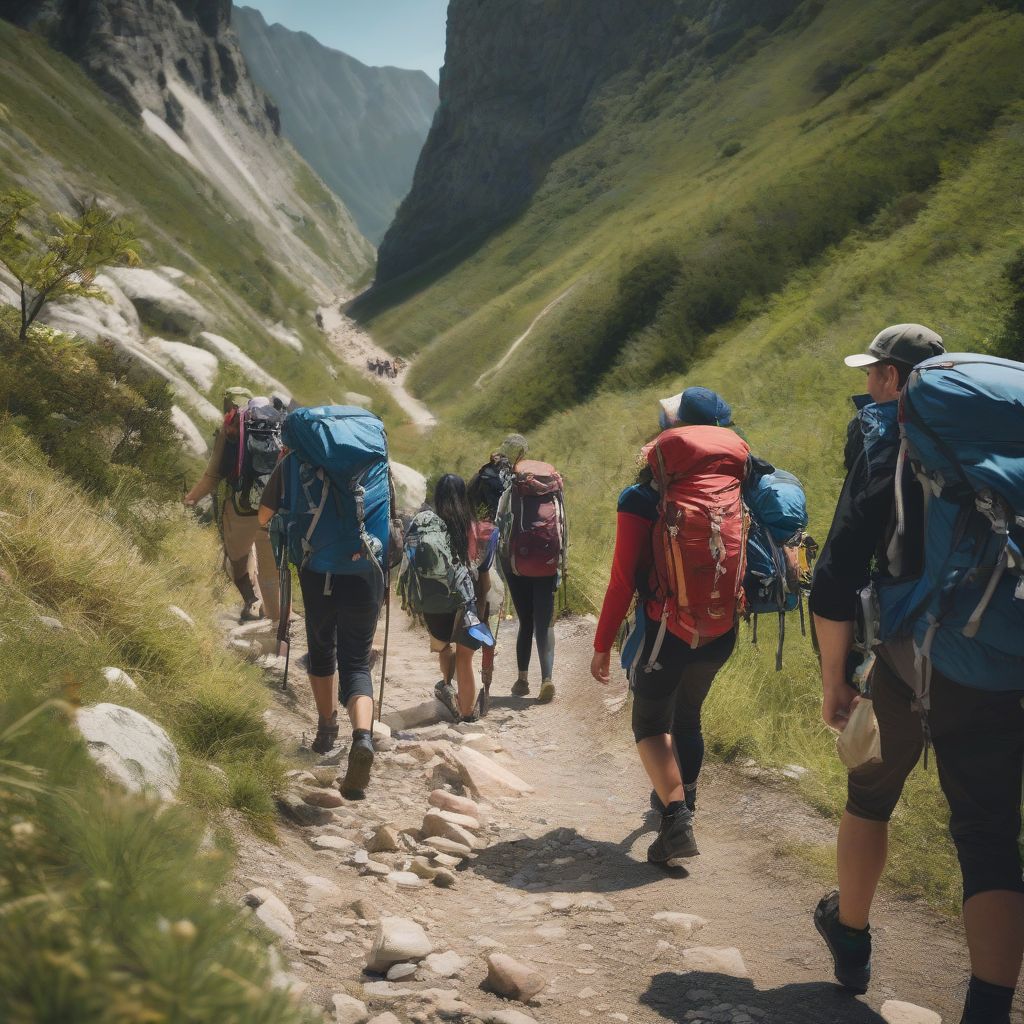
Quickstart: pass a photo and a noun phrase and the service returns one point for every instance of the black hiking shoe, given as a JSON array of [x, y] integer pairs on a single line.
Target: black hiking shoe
[[675, 837], [850, 947], [656, 804], [360, 761], [445, 693], [326, 735], [520, 688], [689, 795]]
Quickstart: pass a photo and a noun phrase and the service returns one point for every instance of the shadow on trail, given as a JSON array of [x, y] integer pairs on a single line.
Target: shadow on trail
[[531, 864], [695, 995]]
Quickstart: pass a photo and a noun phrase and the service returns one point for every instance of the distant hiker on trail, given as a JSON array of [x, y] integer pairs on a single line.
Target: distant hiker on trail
[[534, 549], [330, 500], [680, 528], [445, 575], [941, 620], [244, 461], [320, 320]]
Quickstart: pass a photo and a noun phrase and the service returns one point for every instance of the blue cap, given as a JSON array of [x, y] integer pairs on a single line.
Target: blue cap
[[704, 406]]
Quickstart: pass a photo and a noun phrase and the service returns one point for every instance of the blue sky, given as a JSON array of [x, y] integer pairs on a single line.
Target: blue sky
[[402, 33]]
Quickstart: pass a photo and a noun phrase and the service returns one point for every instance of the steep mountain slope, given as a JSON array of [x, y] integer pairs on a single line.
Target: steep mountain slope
[[176, 65], [221, 298], [361, 128]]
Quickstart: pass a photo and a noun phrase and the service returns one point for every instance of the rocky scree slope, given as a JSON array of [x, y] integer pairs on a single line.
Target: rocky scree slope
[[177, 65], [360, 128], [521, 85]]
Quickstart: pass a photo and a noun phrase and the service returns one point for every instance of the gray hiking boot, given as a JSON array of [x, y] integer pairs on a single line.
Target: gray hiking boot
[[360, 762], [520, 688], [850, 947], [675, 837]]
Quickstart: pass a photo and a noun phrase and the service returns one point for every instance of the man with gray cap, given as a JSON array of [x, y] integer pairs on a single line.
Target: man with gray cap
[[976, 734]]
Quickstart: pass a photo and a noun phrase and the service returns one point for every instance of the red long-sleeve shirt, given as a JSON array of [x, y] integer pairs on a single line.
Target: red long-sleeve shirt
[[632, 555]]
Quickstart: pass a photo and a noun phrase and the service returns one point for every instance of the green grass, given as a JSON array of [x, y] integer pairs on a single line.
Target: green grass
[[853, 234]]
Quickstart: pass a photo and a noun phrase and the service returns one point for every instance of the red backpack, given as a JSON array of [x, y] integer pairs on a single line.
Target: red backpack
[[536, 542], [700, 537]]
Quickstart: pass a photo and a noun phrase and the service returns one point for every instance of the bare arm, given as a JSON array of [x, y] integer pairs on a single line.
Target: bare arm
[[835, 640]]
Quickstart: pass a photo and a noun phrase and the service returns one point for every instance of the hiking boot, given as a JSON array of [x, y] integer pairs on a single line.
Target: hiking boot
[[850, 947], [520, 688], [445, 693], [252, 611], [689, 795], [547, 692], [675, 837], [360, 761], [326, 735]]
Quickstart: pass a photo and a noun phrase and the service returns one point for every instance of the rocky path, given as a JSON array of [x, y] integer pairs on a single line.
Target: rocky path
[[557, 881], [356, 348]]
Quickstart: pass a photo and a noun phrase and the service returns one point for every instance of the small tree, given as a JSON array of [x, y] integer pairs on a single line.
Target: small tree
[[60, 257]]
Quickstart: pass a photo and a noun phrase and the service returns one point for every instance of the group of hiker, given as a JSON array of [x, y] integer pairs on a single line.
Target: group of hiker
[[390, 368], [916, 601]]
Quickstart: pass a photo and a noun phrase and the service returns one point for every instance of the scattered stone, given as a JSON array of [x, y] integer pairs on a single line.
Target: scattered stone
[[446, 965], [444, 879], [323, 798], [396, 972], [506, 1017], [550, 931], [385, 840], [587, 993], [118, 677], [446, 801], [324, 775], [448, 846], [485, 777], [446, 860], [684, 925], [397, 940], [130, 749], [727, 961], [386, 990], [437, 827], [328, 842], [427, 713], [385, 1018], [482, 742], [895, 1012], [381, 731], [349, 1010], [421, 867], [295, 809], [512, 979], [272, 912], [405, 879], [180, 613], [466, 821], [50, 622], [321, 888], [374, 867]]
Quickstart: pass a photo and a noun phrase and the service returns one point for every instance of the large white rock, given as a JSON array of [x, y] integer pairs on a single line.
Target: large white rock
[[195, 363], [118, 677], [410, 486], [895, 1012], [271, 910], [485, 777], [446, 965], [191, 436], [231, 353], [158, 300], [349, 1010], [285, 336], [131, 749], [684, 925], [727, 961], [415, 715], [397, 940]]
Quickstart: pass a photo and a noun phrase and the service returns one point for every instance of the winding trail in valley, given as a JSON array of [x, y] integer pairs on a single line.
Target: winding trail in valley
[[562, 883], [356, 347]]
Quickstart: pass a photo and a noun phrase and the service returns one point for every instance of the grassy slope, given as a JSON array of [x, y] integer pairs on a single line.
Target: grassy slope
[[936, 256], [63, 137]]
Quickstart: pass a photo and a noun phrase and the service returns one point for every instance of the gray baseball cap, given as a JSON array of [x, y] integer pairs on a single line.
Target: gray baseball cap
[[902, 343]]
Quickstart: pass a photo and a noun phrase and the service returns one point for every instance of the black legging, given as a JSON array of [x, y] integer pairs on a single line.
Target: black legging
[[534, 601]]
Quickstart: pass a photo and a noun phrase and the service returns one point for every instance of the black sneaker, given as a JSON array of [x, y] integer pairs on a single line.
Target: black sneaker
[[675, 837], [360, 761], [445, 693], [326, 735], [520, 688], [689, 795], [850, 947]]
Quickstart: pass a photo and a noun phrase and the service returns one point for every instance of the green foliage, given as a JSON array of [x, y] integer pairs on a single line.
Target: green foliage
[[60, 260], [1010, 342]]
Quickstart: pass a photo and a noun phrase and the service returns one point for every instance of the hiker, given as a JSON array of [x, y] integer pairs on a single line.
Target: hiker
[[680, 528], [247, 547], [930, 682], [534, 546], [446, 573], [341, 560]]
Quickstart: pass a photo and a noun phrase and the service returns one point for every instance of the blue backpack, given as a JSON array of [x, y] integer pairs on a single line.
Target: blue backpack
[[962, 430], [778, 518], [336, 508]]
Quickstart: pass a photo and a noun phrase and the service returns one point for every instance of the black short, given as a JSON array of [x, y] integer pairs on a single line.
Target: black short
[[446, 628], [979, 748], [676, 689], [339, 630]]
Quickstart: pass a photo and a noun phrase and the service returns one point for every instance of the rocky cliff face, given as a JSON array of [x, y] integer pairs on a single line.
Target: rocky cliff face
[[360, 128], [522, 84]]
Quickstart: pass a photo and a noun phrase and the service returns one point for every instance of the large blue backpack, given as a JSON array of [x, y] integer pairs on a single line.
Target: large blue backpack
[[778, 518], [962, 430], [336, 508]]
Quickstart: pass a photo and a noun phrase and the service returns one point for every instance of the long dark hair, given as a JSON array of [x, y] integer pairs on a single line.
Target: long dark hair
[[451, 503]]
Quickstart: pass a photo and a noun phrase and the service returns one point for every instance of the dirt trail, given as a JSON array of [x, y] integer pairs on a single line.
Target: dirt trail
[[563, 883], [357, 348]]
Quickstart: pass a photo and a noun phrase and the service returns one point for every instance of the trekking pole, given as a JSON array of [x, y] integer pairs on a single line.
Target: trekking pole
[[384, 656]]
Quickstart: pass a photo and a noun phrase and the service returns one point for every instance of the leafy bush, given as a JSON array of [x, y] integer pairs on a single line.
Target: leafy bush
[[1010, 342]]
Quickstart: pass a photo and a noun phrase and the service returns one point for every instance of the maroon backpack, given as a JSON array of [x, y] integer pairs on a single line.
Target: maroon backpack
[[536, 540]]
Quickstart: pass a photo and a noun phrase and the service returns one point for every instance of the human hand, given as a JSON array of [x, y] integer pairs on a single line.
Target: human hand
[[600, 666], [837, 705]]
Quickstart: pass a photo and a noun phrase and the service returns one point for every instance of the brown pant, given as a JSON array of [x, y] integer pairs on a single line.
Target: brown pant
[[248, 551]]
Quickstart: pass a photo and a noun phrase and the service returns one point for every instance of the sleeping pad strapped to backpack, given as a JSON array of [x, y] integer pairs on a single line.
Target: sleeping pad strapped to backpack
[[336, 508], [778, 518], [962, 430], [701, 532]]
